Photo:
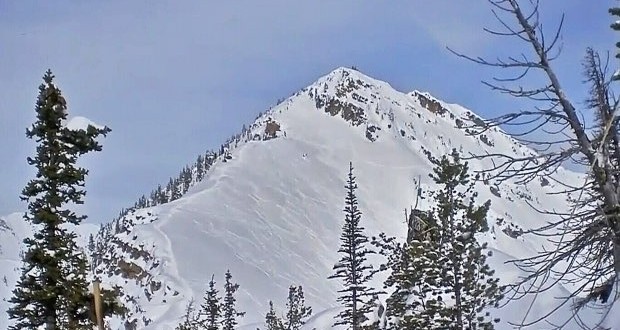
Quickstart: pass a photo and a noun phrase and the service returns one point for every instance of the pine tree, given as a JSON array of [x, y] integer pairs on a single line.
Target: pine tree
[[466, 283], [440, 277], [413, 277], [186, 179], [412, 306], [272, 321], [52, 290], [91, 244], [352, 267], [170, 190], [74, 305], [391, 249], [160, 196], [230, 312], [297, 311], [211, 307], [190, 319], [200, 168]]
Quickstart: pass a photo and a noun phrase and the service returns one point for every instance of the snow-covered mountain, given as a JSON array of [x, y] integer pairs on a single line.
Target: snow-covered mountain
[[269, 205]]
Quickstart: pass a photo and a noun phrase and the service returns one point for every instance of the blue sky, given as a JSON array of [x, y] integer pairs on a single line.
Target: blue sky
[[175, 78]]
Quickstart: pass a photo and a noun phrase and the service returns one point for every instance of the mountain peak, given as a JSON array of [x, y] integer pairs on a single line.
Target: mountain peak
[[268, 204], [343, 71], [349, 76]]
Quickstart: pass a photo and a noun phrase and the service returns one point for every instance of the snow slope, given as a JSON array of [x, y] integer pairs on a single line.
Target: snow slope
[[271, 210]]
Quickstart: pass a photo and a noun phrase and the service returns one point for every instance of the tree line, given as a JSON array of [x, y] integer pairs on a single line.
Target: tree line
[[221, 313]]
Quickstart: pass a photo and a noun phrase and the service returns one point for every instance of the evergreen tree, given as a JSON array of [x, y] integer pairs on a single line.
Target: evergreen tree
[[272, 321], [229, 310], [200, 168], [466, 283], [440, 277], [91, 244], [160, 196], [297, 311], [413, 276], [186, 179], [170, 190], [52, 290], [392, 250], [190, 319], [414, 279], [211, 307], [177, 189], [352, 267]]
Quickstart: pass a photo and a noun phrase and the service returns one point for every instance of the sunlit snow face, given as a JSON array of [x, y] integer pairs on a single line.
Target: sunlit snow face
[[270, 209]]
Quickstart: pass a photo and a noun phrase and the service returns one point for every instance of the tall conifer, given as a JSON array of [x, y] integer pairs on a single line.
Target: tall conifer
[[296, 310], [352, 268], [52, 292], [211, 308], [272, 321], [468, 287], [229, 308]]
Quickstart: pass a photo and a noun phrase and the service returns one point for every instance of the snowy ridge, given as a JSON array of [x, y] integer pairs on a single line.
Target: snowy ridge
[[270, 208]]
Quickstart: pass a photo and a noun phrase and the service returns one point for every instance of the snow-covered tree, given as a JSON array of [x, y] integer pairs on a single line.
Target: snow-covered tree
[[296, 310], [440, 278], [352, 268], [229, 310], [91, 244], [467, 287], [411, 305], [190, 318], [272, 320], [413, 278], [52, 292], [211, 308], [200, 168]]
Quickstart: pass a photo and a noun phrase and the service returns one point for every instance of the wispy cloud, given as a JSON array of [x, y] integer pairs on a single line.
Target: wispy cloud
[[455, 24]]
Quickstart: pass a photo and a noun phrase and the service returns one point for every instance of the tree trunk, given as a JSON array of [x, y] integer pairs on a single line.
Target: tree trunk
[[51, 323], [354, 316], [457, 294]]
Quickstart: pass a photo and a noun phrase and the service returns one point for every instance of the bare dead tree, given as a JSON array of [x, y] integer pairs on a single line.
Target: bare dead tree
[[585, 240]]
